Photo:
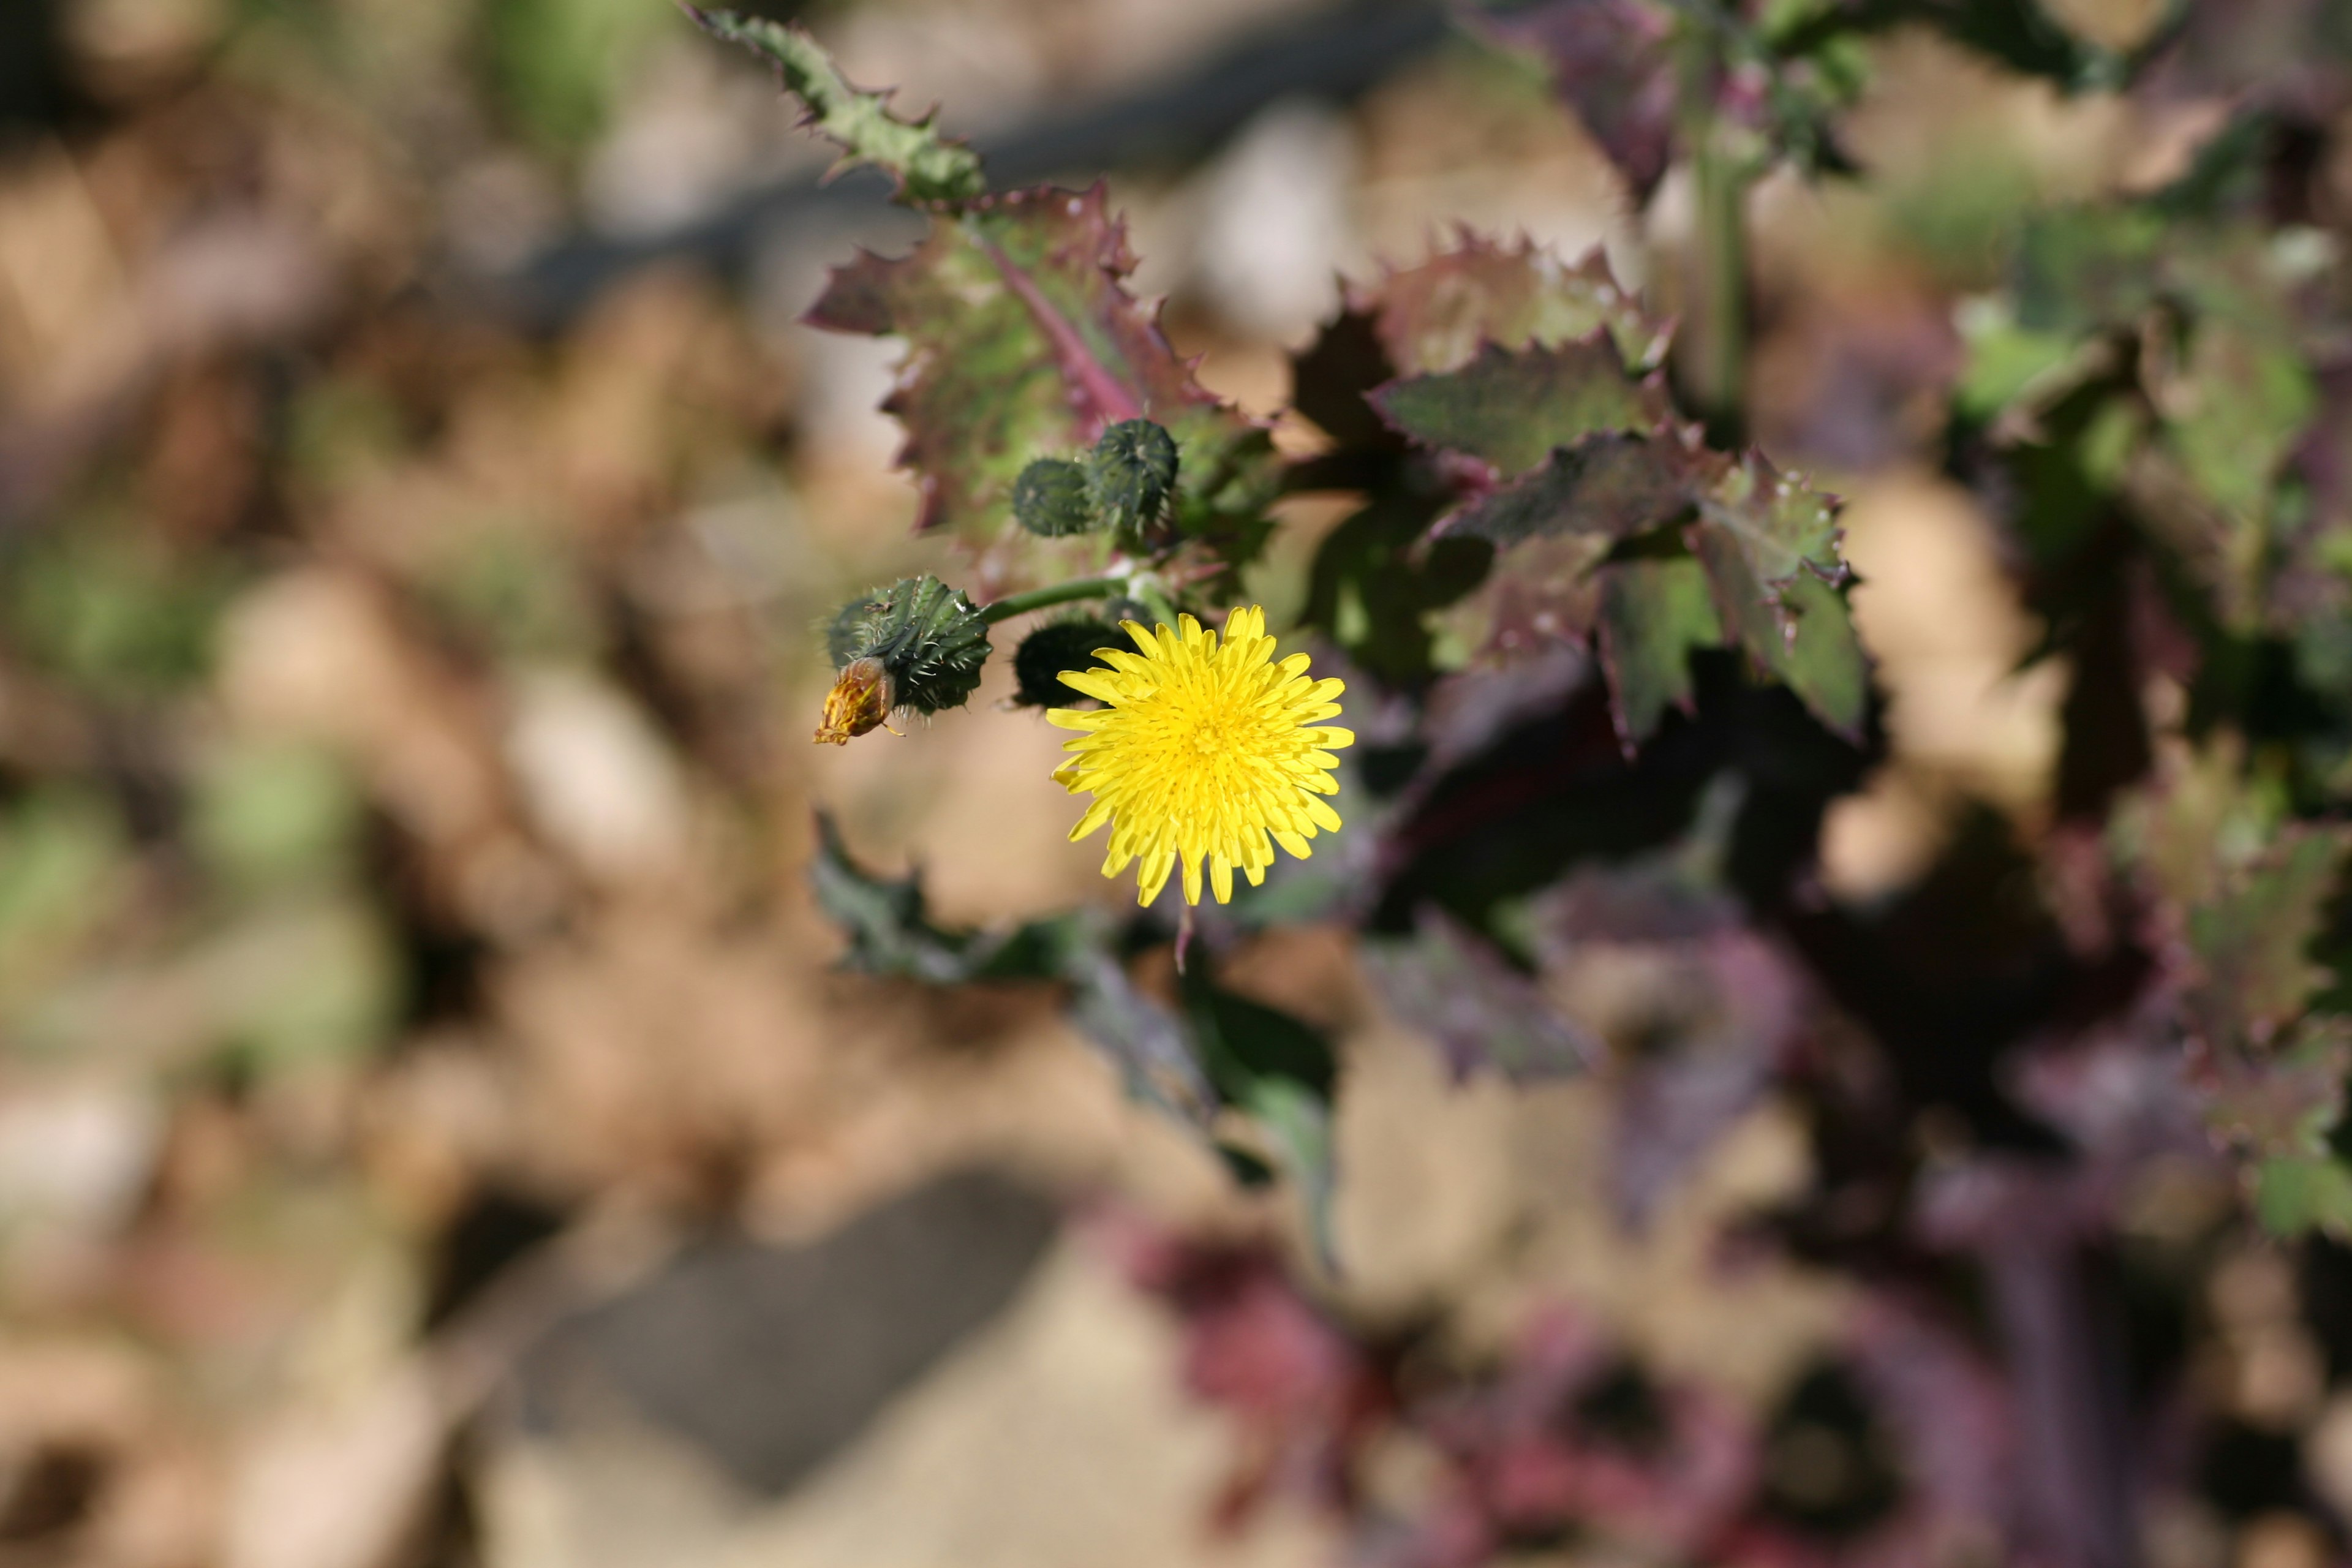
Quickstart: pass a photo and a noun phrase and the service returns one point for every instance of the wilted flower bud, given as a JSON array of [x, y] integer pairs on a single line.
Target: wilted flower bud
[[917, 645], [1131, 473], [860, 699], [1050, 498]]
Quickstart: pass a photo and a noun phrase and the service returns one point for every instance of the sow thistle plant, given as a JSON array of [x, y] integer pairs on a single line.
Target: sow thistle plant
[[1613, 683]]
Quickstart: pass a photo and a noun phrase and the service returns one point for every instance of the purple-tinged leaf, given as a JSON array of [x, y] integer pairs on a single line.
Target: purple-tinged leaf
[[1716, 1046], [1022, 342], [1614, 62], [1780, 525], [1450, 984], [2249, 944], [1805, 636], [2286, 1101], [1653, 613], [1438, 315], [1946, 1407], [1511, 407]]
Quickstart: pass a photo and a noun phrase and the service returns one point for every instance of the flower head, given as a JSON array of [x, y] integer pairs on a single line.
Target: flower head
[[1203, 752]]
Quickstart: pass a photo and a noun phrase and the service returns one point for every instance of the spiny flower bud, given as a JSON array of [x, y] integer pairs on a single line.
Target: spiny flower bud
[[1131, 473], [917, 645], [1051, 500], [1057, 646]]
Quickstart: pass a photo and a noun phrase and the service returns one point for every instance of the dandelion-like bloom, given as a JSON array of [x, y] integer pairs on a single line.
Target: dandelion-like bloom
[[1205, 752]]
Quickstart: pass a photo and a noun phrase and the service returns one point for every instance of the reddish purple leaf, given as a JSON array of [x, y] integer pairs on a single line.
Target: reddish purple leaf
[[1023, 341]]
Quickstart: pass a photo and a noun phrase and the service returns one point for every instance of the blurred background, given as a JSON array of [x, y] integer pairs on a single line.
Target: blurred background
[[432, 1130]]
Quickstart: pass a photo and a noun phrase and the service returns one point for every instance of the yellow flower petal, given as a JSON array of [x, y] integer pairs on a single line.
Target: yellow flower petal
[[1208, 752]]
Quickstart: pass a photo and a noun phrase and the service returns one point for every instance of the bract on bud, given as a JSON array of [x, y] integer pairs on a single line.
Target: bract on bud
[[1131, 474], [917, 645], [1050, 498], [1057, 646]]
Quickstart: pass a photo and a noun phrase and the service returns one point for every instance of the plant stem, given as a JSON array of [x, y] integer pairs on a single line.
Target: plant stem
[[1720, 376], [1014, 604]]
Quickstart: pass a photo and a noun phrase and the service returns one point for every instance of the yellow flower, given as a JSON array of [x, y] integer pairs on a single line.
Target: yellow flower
[[1202, 752]]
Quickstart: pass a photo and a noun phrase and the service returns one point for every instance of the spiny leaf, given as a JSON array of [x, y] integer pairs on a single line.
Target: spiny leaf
[[928, 166], [1510, 408], [2282, 1101], [890, 933], [1805, 636], [1436, 316], [1778, 525], [2251, 941], [1609, 488], [1654, 615], [1023, 341]]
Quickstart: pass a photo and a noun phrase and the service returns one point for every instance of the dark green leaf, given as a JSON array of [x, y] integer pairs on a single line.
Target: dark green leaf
[[1608, 487], [1511, 407], [1654, 615]]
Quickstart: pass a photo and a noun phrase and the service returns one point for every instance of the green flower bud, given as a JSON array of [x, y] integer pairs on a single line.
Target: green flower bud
[[1051, 500], [1131, 474], [918, 644], [1057, 646]]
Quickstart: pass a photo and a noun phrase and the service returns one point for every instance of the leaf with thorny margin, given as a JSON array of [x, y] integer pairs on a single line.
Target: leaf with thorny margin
[[2252, 942], [1614, 62], [1780, 525], [1654, 615], [1805, 637], [1436, 316], [890, 933], [2282, 1102], [1609, 488], [1510, 407], [1450, 984], [1023, 341], [928, 166]]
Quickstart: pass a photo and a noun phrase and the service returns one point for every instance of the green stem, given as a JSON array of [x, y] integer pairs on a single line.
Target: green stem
[[1721, 373], [1014, 604]]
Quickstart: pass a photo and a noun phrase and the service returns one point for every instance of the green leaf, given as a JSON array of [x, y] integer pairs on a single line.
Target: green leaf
[[885, 919], [1805, 636], [928, 166], [1280, 1071], [1511, 407], [1653, 615], [1779, 526], [2087, 267], [1023, 340], [2295, 1193]]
